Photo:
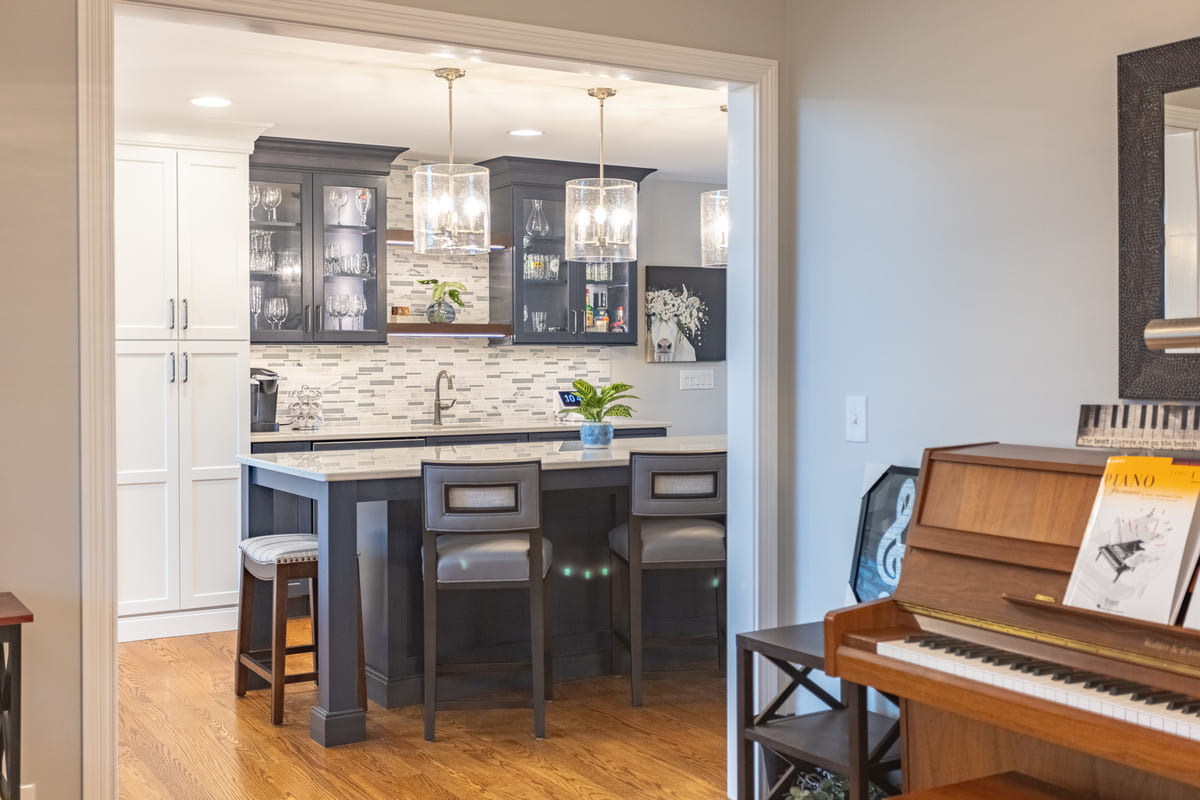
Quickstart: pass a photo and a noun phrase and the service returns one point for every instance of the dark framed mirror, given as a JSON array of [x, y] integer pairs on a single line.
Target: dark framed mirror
[[1149, 82]]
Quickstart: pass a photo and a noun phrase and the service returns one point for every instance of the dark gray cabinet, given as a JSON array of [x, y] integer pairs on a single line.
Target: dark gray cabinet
[[547, 299], [318, 241]]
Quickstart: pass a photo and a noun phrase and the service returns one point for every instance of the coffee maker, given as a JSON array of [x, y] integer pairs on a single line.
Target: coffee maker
[[264, 393]]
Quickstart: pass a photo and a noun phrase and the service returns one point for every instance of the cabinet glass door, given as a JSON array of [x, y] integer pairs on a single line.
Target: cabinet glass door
[[277, 256], [348, 246], [610, 299], [546, 312]]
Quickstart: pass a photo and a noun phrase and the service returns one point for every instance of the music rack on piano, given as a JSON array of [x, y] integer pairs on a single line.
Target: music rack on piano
[[1162, 426], [994, 674]]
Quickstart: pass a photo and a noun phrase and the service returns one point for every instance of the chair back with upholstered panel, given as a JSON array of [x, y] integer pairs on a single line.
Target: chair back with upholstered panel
[[677, 484], [501, 497]]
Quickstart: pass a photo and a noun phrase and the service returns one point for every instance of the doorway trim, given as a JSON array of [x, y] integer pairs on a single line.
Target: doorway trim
[[753, 421]]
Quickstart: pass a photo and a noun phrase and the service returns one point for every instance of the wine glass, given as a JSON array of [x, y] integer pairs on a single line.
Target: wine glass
[[256, 299], [272, 196], [255, 195], [277, 311], [338, 198], [359, 310], [363, 201]]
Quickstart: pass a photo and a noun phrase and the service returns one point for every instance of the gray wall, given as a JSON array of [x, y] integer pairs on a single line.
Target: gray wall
[[956, 235], [669, 235], [39, 470]]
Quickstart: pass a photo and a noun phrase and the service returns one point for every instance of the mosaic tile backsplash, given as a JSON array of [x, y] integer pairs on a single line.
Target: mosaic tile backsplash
[[394, 383]]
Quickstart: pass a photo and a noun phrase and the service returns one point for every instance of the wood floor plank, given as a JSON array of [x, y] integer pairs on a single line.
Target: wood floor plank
[[183, 734]]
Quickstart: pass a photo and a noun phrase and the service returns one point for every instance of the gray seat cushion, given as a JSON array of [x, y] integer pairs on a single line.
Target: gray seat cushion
[[280, 548], [673, 539], [487, 557]]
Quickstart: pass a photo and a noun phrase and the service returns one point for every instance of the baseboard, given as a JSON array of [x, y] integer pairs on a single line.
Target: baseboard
[[176, 623]]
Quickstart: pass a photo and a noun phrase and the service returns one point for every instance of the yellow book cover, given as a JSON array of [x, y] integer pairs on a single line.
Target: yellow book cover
[[1141, 542]]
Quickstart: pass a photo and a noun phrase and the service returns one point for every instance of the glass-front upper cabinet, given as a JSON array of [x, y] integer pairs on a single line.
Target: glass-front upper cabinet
[[548, 299], [318, 238]]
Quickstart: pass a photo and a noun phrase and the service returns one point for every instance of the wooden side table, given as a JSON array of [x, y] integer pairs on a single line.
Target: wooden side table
[[13, 614], [825, 739]]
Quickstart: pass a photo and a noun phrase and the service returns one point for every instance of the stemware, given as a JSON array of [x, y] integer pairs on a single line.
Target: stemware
[[277, 311], [359, 311], [363, 201], [338, 198], [253, 199], [256, 299], [272, 196]]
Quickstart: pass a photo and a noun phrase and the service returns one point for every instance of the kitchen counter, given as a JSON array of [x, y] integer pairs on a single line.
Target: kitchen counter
[[399, 431], [361, 465]]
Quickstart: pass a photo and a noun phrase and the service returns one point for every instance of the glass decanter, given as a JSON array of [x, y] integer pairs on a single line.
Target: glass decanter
[[536, 223]]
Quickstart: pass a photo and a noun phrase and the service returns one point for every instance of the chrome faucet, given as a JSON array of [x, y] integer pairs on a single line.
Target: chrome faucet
[[438, 407]]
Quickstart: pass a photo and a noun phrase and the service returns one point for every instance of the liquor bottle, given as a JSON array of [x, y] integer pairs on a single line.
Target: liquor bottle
[[589, 312], [618, 325]]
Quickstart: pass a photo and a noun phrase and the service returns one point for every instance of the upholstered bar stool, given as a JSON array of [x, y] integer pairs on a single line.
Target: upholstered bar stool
[[676, 521], [278, 559], [483, 530]]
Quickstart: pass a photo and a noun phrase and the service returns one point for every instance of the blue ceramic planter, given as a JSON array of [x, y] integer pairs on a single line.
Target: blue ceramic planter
[[596, 434]]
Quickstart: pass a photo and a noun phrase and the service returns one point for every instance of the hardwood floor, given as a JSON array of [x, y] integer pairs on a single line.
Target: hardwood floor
[[184, 735]]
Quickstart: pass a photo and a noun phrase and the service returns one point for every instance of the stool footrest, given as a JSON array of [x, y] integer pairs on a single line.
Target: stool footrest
[[263, 670]]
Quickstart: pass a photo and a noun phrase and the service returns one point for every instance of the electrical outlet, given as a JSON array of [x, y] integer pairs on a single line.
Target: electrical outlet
[[695, 379], [856, 418]]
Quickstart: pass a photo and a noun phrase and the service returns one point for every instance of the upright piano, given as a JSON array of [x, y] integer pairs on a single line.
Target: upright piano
[[993, 672]]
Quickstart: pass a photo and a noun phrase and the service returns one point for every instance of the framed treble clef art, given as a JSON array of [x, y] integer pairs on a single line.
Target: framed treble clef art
[[883, 519]]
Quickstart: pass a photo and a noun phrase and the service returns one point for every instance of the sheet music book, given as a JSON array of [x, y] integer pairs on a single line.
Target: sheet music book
[[1141, 542]]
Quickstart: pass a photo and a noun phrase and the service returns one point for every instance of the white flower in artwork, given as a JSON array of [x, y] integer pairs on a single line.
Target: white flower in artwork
[[673, 317]]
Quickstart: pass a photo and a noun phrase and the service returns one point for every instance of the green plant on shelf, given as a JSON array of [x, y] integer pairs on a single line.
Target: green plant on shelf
[[595, 404], [825, 786], [444, 289]]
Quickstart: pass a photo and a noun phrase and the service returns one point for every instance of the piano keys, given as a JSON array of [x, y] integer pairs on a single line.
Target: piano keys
[[1142, 426], [994, 674]]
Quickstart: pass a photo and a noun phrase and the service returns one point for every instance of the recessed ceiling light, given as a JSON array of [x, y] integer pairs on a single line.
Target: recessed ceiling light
[[209, 102], [524, 132]]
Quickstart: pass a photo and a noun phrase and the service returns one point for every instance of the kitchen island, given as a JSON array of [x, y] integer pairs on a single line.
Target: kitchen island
[[584, 493]]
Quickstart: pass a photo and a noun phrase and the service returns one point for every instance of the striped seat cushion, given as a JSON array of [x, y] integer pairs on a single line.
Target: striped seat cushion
[[281, 548]]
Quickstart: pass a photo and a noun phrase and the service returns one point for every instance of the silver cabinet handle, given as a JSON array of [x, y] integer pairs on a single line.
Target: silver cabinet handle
[[574, 320], [185, 314], [307, 318], [317, 322], [172, 325], [185, 367], [172, 368]]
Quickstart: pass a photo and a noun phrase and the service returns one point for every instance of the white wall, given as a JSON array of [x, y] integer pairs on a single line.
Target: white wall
[[956, 234], [39, 365], [669, 236]]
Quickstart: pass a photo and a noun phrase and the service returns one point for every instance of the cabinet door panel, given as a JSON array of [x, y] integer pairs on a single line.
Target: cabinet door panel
[[147, 478], [145, 242], [214, 411], [214, 245]]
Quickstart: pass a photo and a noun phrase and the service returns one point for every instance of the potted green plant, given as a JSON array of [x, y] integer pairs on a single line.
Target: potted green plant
[[595, 406], [440, 310]]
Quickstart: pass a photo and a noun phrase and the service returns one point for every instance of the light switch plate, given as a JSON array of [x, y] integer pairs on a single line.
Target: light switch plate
[[856, 418], [695, 379]]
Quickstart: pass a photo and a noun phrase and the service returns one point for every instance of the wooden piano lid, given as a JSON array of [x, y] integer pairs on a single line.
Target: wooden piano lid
[[1005, 786], [998, 524]]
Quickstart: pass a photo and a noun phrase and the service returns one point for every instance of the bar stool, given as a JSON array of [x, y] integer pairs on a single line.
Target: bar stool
[[278, 559], [676, 521], [482, 525]]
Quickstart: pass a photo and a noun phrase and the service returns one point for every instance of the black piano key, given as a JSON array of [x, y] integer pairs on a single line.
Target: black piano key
[[1008, 658], [1153, 417], [986, 653], [1095, 417], [1191, 708], [1031, 665], [1046, 669], [1170, 698], [1183, 700], [1020, 662], [1082, 677], [1127, 687], [1099, 682], [1142, 418], [1151, 695], [913, 638], [1124, 416], [1183, 418], [1112, 423]]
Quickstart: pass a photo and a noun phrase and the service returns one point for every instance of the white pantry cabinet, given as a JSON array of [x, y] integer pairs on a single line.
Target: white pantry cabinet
[[182, 242], [182, 418]]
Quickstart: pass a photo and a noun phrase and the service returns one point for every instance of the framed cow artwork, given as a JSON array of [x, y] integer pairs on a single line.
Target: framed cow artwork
[[685, 314]]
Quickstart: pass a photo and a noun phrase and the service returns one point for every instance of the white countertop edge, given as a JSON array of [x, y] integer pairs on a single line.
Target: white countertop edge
[[354, 465], [351, 432]]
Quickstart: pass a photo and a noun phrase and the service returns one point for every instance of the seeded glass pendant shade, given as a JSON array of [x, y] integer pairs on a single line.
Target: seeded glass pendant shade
[[601, 213], [714, 228], [451, 214]]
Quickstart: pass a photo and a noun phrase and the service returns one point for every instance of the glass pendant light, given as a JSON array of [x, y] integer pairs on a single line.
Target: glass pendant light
[[451, 214], [714, 225], [601, 213], [714, 228]]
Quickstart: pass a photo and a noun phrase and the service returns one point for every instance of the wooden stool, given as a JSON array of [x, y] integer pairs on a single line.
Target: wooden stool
[[279, 559], [482, 530], [675, 500]]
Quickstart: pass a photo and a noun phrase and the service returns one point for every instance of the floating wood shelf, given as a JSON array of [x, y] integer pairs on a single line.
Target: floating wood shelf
[[448, 329], [404, 238]]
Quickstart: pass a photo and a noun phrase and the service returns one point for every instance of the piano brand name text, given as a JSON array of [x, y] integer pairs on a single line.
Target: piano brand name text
[[1173, 649]]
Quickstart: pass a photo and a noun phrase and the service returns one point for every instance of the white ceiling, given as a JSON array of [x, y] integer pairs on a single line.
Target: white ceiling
[[310, 89]]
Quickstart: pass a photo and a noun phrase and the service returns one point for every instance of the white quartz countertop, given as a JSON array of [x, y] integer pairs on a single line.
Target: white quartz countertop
[[377, 431], [405, 462]]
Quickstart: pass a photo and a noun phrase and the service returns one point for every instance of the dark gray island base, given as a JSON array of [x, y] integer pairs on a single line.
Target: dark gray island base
[[367, 503]]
